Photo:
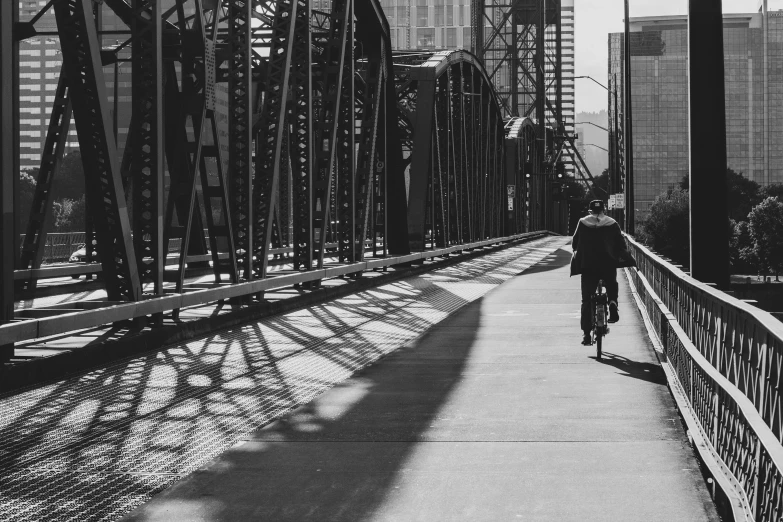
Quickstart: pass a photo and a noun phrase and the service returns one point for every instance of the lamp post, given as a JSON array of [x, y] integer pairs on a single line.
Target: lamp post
[[614, 163]]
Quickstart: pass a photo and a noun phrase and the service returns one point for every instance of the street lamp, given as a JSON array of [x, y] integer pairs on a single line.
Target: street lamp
[[614, 182]]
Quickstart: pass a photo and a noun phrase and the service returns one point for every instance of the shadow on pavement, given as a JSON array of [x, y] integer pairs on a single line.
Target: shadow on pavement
[[561, 257], [336, 458], [644, 371]]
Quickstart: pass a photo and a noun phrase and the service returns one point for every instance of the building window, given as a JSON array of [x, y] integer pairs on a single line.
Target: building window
[[451, 37], [422, 20], [425, 38], [440, 16]]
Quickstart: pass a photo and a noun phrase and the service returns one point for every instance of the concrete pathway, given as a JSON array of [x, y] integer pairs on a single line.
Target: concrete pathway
[[497, 413]]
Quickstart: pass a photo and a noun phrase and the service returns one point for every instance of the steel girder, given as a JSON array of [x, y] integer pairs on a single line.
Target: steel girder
[[240, 139], [313, 136], [456, 176], [147, 158], [106, 197], [40, 217], [9, 146]]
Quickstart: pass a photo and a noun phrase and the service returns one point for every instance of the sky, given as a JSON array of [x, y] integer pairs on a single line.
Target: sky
[[595, 19]]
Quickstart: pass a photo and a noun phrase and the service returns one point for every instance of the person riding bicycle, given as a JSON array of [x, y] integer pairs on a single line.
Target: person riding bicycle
[[599, 250]]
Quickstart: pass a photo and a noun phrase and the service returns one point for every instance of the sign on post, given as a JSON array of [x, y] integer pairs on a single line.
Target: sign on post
[[619, 201], [612, 202], [511, 191]]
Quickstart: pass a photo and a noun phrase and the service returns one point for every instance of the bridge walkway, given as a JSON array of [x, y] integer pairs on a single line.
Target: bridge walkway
[[485, 407], [497, 413]]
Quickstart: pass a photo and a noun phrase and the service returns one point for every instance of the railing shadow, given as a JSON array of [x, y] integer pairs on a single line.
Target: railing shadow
[[144, 422], [340, 456]]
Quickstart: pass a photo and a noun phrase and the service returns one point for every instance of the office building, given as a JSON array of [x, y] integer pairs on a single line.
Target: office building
[[428, 24], [659, 83], [567, 48], [40, 64]]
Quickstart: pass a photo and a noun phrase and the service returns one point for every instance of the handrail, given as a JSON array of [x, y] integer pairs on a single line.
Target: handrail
[[727, 357], [46, 326]]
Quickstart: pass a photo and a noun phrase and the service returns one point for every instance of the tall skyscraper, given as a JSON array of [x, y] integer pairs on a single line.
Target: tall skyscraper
[[567, 44], [659, 83]]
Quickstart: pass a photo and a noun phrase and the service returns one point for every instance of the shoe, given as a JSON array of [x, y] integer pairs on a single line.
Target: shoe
[[587, 339], [613, 315]]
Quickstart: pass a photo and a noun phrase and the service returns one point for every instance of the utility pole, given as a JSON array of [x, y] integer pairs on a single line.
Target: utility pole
[[707, 136]]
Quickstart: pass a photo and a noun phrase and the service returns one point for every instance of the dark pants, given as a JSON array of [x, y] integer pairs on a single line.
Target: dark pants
[[589, 284]]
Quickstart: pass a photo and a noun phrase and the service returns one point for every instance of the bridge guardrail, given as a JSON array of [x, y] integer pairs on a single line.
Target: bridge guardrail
[[727, 357], [59, 246]]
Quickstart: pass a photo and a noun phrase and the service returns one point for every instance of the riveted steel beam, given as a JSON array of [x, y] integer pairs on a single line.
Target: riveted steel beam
[[271, 128], [147, 142], [9, 162], [105, 195]]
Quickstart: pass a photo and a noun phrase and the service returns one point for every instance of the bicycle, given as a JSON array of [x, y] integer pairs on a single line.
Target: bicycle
[[600, 303]]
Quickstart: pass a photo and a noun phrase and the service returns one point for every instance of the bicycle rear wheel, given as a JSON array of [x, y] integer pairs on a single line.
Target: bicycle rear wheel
[[598, 345]]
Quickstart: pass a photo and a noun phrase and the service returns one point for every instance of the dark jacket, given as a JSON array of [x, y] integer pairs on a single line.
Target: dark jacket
[[598, 245]]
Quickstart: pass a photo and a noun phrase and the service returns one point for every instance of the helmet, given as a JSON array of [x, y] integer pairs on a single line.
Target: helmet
[[596, 206]]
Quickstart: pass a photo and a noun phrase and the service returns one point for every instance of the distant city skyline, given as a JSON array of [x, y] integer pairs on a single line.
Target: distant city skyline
[[598, 18]]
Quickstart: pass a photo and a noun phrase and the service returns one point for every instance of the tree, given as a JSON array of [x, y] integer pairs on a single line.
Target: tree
[[773, 190], [742, 193], [24, 198], [667, 226], [742, 254], [766, 229]]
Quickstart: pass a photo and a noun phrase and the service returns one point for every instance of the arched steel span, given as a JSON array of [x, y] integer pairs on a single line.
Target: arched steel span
[[457, 191], [275, 128], [523, 164]]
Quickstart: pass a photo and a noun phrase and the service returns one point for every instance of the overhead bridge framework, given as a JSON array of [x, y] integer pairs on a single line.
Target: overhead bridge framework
[[260, 129]]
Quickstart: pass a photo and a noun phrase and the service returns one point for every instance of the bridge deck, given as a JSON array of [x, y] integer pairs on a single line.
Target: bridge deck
[[491, 410]]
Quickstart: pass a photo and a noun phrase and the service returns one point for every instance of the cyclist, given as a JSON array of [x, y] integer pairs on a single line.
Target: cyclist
[[599, 250]]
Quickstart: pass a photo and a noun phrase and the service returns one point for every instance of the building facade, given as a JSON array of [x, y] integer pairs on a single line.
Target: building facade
[[40, 64], [659, 85], [428, 24]]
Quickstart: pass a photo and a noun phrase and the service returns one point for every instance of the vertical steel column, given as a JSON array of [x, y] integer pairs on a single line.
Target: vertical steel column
[[541, 103], [346, 150], [41, 215], [147, 159], [240, 130], [9, 162], [477, 22], [421, 158], [271, 128], [707, 137], [331, 80], [302, 124], [81, 59]]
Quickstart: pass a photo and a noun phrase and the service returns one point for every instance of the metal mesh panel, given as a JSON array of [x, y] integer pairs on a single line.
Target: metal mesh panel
[[99, 444]]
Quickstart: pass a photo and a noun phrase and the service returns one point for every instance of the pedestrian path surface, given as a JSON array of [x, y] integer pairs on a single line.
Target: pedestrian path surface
[[101, 443], [497, 413]]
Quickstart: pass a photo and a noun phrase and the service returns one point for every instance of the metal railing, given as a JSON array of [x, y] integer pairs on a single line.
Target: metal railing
[[727, 357], [59, 246]]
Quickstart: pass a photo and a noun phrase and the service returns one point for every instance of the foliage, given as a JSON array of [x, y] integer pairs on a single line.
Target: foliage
[[24, 199], [69, 183], [773, 190], [766, 230], [742, 255], [666, 228], [742, 194]]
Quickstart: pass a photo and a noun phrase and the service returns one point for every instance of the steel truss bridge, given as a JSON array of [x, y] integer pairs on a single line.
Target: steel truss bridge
[[260, 130]]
